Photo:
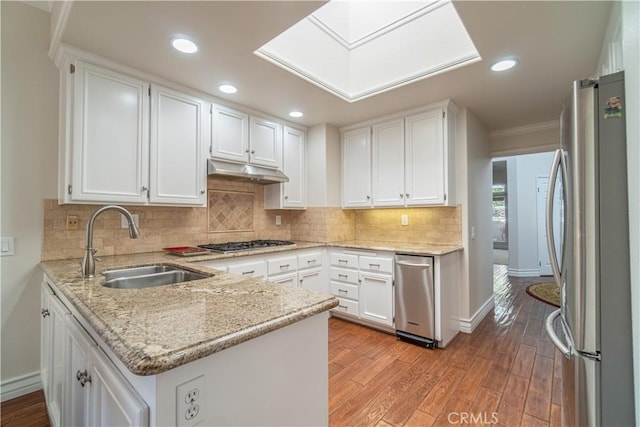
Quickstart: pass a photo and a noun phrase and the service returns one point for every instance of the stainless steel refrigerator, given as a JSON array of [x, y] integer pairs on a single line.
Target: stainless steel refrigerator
[[593, 326]]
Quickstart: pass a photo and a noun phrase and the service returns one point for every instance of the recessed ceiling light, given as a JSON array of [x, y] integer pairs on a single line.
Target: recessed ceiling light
[[183, 44], [504, 64], [226, 88], [296, 114]]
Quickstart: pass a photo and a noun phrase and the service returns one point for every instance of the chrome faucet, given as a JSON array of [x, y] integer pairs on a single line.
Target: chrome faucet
[[88, 265]]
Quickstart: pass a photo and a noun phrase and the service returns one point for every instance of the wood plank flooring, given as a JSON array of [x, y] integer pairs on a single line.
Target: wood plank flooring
[[506, 373]]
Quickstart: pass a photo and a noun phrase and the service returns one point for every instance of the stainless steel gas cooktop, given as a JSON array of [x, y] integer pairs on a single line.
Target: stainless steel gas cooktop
[[245, 246]]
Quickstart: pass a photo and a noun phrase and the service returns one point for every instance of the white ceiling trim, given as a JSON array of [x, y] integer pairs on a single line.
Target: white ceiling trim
[[374, 34], [521, 130], [353, 97]]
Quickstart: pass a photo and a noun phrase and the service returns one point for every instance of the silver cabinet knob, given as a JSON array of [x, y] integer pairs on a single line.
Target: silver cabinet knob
[[145, 188], [202, 191]]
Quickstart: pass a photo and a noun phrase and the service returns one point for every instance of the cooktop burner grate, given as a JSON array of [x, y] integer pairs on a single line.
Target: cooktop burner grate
[[245, 246]]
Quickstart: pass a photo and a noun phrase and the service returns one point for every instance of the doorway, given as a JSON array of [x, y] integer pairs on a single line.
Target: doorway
[[500, 230]]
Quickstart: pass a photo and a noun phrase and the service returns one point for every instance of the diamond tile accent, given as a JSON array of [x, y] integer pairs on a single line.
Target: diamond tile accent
[[230, 211]]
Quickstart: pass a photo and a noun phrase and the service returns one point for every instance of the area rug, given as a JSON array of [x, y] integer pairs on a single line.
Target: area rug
[[545, 292]]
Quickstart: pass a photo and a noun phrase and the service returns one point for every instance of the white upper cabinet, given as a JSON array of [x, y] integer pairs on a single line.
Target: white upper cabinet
[[356, 168], [388, 163], [425, 159], [291, 194], [110, 139], [124, 140], [230, 134], [411, 161], [177, 151], [242, 138], [265, 142]]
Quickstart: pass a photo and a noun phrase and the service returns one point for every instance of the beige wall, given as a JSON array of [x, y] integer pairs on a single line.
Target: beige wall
[[473, 185], [29, 152]]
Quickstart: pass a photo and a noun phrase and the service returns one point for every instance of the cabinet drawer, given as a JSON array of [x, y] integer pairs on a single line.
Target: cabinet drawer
[[344, 290], [347, 306], [310, 260], [382, 264], [344, 275], [344, 260], [250, 269], [282, 265]]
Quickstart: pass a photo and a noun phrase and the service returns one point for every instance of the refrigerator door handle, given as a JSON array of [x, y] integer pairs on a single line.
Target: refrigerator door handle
[[555, 339], [553, 256]]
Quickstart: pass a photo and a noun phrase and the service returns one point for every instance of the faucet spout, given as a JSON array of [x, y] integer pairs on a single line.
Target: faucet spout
[[88, 266]]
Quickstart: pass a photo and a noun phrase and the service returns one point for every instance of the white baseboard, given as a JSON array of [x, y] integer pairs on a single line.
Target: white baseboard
[[469, 325], [18, 386], [531, 272]]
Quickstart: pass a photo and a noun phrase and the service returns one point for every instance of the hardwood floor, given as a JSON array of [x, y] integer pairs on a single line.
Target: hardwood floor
[[27, 410], [506, 373]]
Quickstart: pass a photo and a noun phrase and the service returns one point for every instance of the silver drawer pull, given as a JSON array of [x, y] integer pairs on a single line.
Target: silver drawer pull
[[343, 291], [311, 261], [284, 266], [343, 275], [374, 265], [345, 261], [344, 307], [244, 273]]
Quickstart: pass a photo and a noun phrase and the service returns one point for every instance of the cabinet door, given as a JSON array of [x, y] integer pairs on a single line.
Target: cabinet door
[[177, 153], [45, 344], [356, 168], [425, 159], [113, 401], [376, 298], [56, 368], [229, 134], [388, 163], [77, 346], [110, 136], [265, 142], [294, 166], [313, 279]]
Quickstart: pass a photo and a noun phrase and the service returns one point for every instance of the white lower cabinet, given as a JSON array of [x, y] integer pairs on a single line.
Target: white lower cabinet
[[312, 279], [363, 283], [82, 386], [286, 279], [376, 297]]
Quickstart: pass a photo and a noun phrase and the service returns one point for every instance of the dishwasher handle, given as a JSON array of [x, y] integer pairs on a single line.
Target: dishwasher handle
[[413, 264]]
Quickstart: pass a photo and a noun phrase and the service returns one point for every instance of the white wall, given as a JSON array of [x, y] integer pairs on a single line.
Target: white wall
[[631, 54], [522, 211], [29, 153], [323, 166], [473, 187], [621, 50]]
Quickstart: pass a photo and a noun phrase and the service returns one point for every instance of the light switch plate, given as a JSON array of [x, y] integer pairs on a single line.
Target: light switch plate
[[7, 246]]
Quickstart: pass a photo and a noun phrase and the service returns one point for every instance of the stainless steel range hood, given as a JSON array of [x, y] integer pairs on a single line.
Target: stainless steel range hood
[[245, 172]]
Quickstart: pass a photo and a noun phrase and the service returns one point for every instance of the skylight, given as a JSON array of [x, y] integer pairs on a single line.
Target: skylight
[[356, 49]]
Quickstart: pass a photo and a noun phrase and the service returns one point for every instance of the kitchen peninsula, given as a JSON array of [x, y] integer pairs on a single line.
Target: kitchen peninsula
[[167, 343]]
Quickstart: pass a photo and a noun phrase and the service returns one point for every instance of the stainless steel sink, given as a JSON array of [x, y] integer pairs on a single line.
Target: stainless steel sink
[[148, 276]]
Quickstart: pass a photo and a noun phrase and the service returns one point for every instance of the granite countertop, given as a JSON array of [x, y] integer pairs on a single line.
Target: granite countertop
[[156, 329], [153, 330], [410, 248]]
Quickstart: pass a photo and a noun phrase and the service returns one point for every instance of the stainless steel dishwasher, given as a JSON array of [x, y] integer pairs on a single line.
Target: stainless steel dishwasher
[[415, 303]]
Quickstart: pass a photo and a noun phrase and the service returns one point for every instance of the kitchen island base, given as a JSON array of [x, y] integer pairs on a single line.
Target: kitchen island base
[[280, 378]]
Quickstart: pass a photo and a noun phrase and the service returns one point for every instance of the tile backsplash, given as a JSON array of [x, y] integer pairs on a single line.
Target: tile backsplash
[[236, 212]]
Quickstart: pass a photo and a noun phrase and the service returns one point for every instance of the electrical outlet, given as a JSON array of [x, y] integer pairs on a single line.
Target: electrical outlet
[[72, 222], [404, 219], [125, 224], [278, 220], [190, 402]]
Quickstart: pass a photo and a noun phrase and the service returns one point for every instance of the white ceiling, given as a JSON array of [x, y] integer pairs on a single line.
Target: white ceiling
[[556, 42]]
